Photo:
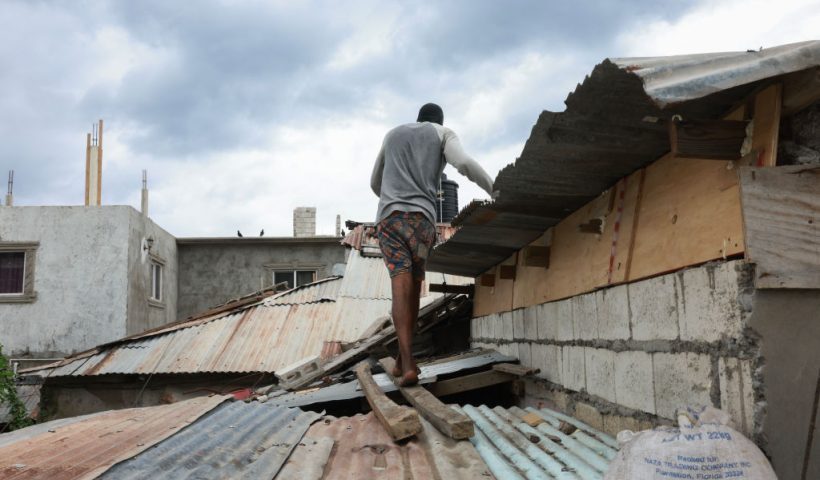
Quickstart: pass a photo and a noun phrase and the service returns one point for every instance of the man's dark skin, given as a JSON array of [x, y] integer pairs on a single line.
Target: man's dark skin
[[406, 294]]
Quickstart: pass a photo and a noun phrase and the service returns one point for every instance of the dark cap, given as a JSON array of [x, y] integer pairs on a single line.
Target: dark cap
[[430, 112]]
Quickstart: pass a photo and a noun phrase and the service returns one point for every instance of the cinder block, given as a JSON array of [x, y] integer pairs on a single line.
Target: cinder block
[[737, 392], [584, 317], [573, 374], [599, 364], [711, 306], [507, 326], [518, 323], [552, 317], [612, 308], [525, 354], [634, 381], [654, 306], [681, 379], [618, 423], [498, 325], [531, 323], [548, 359], [589, 415]]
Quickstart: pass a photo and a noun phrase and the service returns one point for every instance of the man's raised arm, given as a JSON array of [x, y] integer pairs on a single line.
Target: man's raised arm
[[456, 156]]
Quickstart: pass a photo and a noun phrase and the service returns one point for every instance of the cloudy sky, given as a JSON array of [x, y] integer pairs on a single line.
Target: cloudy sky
[[242, 110]]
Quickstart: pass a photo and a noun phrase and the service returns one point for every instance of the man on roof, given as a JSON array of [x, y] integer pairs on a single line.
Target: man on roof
[[406, 180]]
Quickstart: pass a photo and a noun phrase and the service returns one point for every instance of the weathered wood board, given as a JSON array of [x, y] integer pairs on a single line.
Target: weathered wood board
[[781, 217], [448, 421], [400, 422]]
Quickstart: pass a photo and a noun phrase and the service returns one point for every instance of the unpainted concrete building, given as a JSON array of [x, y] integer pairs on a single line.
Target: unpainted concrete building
[[91, 275]]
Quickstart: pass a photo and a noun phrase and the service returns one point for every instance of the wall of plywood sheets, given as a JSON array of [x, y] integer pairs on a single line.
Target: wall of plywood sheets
[[670, 215], [499, 296]]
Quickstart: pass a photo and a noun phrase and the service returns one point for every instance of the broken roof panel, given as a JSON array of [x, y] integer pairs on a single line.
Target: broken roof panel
[[84, 447], [320, 291], [614, 124], [235, 440]]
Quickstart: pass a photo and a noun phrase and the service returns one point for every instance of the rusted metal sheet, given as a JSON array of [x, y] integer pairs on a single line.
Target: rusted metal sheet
[[323, 290], [88, 446], [615, 123], [363, 449], [235, 440]]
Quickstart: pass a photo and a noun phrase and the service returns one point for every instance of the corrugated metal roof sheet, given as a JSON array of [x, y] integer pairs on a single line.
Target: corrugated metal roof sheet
[[515, 450], [365, 450], [87, 446], [573, 156], [235, 440], [429, 373], [260, 337]]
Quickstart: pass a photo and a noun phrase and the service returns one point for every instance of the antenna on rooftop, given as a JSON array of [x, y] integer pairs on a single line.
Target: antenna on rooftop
[[10, 194]]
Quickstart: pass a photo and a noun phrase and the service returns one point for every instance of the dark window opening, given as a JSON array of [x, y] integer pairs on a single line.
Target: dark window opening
[[12, 272]]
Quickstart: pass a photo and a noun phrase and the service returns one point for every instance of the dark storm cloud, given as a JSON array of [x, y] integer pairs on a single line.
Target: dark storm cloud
[[210, 77]]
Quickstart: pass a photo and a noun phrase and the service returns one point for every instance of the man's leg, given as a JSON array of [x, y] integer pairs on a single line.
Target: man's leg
[[406, 290]]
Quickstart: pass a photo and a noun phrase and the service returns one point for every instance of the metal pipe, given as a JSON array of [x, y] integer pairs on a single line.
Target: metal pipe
[[517, 458]]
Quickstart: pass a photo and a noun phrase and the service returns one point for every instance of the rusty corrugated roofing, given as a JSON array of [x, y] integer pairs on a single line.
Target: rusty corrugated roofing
[[262, 336], [602, 136], [85, 447], [234, 440], [363, 449]]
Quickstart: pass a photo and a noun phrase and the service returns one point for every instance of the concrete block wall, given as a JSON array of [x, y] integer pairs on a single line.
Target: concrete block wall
[[634, 353]]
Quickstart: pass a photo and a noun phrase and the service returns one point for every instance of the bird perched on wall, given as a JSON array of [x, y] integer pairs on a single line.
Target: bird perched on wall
[[262, 233], [238, 233]]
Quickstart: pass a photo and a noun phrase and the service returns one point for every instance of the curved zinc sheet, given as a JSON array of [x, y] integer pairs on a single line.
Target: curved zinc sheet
[[323, 290], [235, 440]]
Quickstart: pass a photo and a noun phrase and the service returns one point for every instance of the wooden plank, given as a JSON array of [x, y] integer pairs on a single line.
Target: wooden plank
[[487, 280], [781, 217], [469, 382], [689, 214], [457, 289], [532, 419], [497, 298], [448, 421], [767, 106], [400, 422], [515, 369], [707, 139]]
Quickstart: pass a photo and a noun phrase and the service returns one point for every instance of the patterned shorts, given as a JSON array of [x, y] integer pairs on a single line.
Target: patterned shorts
[[405, 239]]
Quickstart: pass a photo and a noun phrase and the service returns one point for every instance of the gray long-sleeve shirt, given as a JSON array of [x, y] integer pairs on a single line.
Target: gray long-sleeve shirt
[[409, 166]]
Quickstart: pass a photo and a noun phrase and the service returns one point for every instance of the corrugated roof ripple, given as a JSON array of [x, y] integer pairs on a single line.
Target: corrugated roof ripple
[[235, 440], [514, 449]]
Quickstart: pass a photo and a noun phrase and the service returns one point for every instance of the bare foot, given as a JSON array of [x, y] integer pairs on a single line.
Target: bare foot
[[396, 371], [410, 378]]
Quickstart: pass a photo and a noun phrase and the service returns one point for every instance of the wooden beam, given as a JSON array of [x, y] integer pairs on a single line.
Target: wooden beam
[[515, 369], [800, 89], [781, 221], [537, 256], [469, 382], [448, 421], [458, 289], [400, 422], [707, 139], [767, 105], [506, 272]]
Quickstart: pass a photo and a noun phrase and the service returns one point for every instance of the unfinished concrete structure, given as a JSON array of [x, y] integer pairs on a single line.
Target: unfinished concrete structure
[[641, 281], [89, 278]]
